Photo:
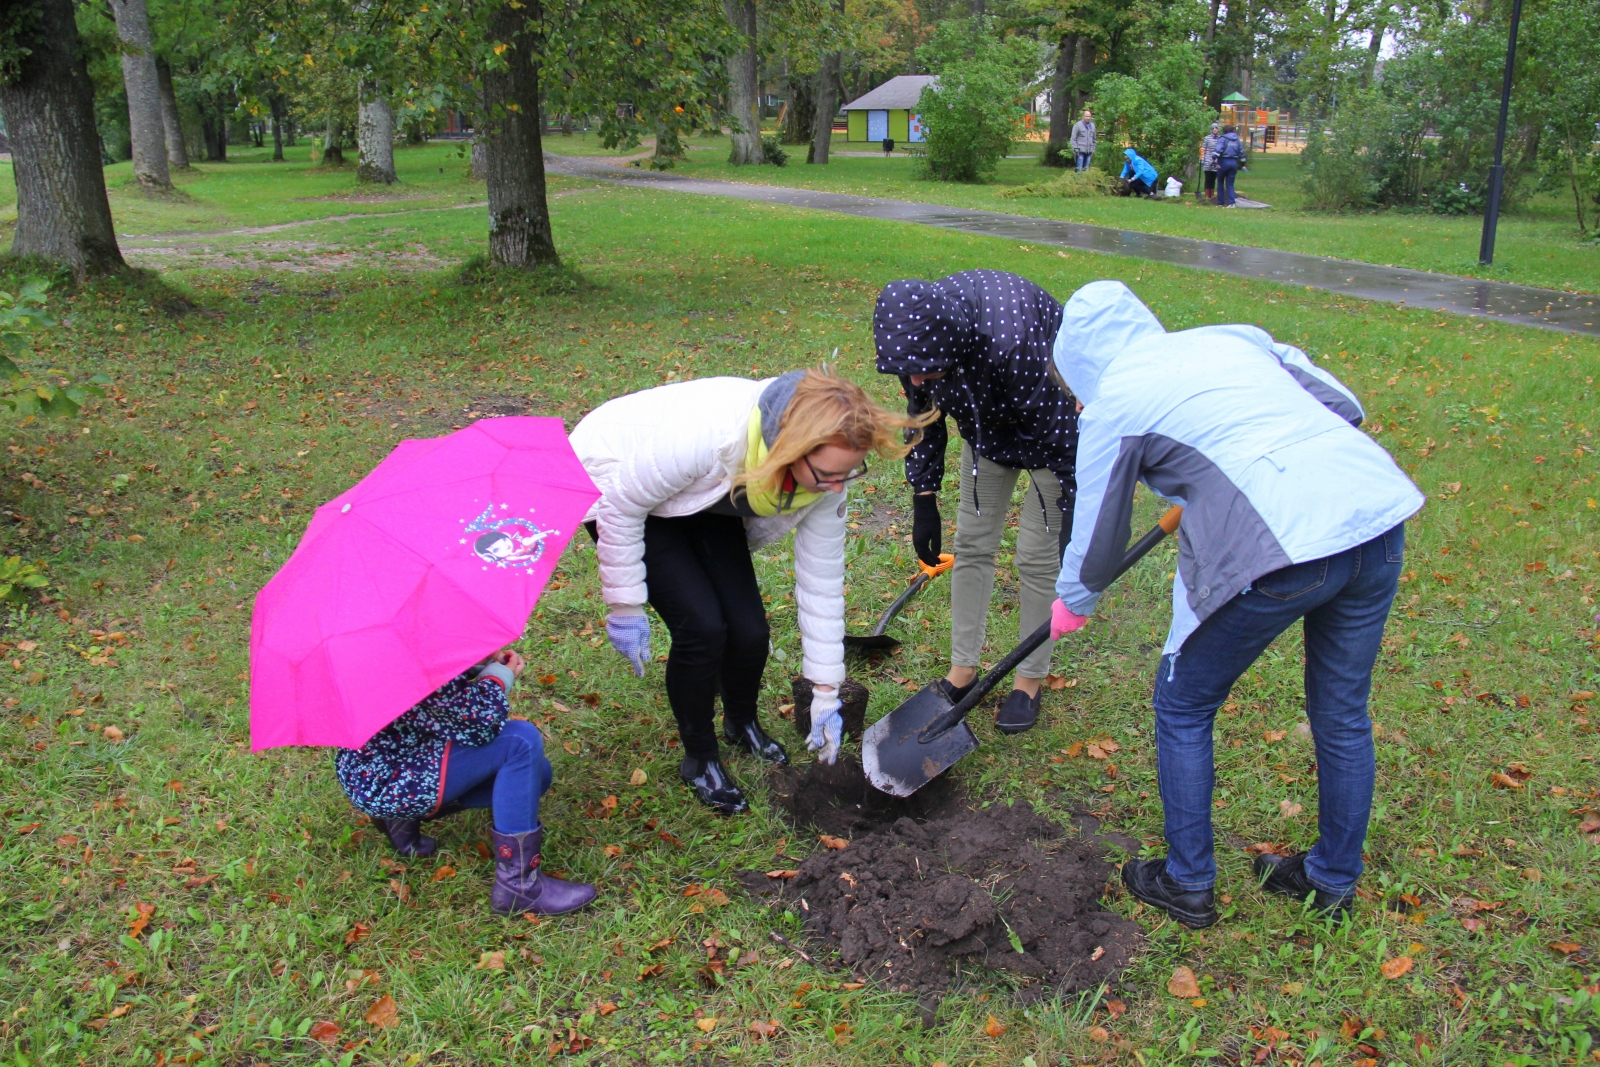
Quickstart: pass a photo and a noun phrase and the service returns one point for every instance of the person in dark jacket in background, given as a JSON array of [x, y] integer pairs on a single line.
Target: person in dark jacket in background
[[1230, 157], [976, 346]]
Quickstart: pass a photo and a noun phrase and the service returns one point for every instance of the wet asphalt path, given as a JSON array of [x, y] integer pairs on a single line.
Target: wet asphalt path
[[1548, 308]]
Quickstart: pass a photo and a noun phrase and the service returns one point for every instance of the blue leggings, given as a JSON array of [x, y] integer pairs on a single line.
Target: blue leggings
[[508, 776]]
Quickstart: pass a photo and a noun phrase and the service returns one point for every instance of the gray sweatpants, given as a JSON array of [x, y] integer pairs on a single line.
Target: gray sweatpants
[[1038, 557]]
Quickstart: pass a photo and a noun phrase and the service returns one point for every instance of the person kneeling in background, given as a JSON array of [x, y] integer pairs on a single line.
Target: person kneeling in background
[[1291, 514], [455, 749], [692, 477], [1138, 176]]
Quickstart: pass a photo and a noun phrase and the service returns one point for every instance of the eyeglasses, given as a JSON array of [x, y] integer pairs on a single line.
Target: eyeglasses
[[844, 479]]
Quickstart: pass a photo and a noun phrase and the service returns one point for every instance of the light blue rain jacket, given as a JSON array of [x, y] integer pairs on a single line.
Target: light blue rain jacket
[[1257, 443], [1138, 167]]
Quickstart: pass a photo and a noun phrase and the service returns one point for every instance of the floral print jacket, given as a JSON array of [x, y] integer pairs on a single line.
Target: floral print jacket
[[400, 773]]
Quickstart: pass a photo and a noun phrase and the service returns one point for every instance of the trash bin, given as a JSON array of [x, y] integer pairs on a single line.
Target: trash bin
[[888, 145]]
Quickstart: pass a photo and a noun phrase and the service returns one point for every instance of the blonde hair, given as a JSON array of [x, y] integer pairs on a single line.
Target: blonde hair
[[825, 410]]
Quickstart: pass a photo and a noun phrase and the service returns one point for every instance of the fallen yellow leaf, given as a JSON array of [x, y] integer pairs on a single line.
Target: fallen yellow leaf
[[491, 961], [994, 1027], [706, 1025], [383, 1014], [1396, 967], [638, 777], [441, 873], [1183, 983]]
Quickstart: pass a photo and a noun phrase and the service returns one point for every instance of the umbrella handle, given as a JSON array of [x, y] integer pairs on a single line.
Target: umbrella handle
[[981, 688]]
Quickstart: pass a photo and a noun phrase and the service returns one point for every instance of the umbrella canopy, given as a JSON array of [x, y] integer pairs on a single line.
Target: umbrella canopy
[[428, 564]]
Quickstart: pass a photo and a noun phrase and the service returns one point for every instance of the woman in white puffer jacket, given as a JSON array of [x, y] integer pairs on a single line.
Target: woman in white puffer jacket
[[695, 475]]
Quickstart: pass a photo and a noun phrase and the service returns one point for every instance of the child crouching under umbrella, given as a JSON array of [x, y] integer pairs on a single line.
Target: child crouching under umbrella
[[458, 749]]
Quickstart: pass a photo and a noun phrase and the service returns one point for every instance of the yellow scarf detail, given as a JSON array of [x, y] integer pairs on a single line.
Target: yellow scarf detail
[[764, 500]]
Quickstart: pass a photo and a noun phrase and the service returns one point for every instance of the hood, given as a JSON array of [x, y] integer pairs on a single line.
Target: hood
[[920, 328], [1101, 320], [1130, 153], [774, 403]]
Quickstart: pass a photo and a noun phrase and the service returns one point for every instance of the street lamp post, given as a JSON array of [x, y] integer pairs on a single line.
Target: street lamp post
[[1497, 173]]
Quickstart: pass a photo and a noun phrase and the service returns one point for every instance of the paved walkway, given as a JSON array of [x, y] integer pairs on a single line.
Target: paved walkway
[[1549, 308]]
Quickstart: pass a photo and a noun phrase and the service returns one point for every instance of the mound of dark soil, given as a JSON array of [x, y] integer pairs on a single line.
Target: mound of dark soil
[[852, 706], [838, 800], [928, 885]]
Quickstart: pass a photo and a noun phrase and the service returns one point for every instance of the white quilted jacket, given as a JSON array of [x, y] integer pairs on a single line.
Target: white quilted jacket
[[674, 450]]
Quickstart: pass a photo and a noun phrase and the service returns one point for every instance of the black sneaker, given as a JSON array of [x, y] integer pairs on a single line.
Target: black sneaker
[[1019, 712], [954, 692], [713, 786], [1148, 880], [1287, 875], [753, 739]]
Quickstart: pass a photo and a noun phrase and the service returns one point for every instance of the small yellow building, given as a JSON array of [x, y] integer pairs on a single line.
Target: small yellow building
[[888, 111]]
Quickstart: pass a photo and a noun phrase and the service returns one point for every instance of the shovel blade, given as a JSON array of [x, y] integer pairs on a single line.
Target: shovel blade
[[897, 762], [871, 642]]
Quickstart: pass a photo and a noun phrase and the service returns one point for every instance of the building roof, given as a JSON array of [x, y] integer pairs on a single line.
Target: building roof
[[901, 92], [1236, 98]]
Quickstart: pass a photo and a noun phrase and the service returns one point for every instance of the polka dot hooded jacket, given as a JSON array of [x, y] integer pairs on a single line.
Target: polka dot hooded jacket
[[991, 333]]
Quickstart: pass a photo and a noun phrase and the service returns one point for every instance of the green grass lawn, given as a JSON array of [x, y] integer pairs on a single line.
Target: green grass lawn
[[274, 917], [1537, 244]]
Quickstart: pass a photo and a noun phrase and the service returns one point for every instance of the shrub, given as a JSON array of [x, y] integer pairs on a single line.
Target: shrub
[[1160, 113], [1072, 185], [17, 579], [974, 111], [21, 316], [772, 151]]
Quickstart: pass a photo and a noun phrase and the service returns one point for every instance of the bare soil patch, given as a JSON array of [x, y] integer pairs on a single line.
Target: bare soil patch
[[933, 886]]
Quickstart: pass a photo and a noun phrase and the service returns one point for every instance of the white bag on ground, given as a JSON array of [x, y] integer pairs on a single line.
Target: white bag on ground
[[1174, 187]]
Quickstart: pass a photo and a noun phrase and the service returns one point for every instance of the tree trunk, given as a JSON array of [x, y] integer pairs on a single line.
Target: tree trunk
[[275, 101], [171, 125], [1081, 70], [143, 85], [214, 126], [375, 135], [1380, 25], [824, 104], [480, 160], [333, 143], [63, 215], [743, 67], [799, 114], [1057, 149], [519, 216]]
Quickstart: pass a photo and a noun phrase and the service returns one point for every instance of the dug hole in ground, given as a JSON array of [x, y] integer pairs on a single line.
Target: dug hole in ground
[[916, 893]]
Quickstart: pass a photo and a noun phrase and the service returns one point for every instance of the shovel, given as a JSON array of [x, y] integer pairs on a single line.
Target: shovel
[[925, 736], [877, 639]]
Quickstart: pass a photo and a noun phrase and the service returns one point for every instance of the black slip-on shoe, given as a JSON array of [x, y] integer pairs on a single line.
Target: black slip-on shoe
[[1287, 875], [713, 786], [751, 738], [1019, 713], [1148, 880], [954, 693]]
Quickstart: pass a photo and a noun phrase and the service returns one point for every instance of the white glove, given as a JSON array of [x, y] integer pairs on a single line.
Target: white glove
[[827, 725]]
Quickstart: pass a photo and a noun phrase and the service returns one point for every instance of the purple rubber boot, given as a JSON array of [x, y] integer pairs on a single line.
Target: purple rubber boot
[[406, 836], [519, 885]]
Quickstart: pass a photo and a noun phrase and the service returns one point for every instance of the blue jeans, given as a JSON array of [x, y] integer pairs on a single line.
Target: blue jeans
[[1344, 600], [1227, 170], [508, 776], [1083, 159]]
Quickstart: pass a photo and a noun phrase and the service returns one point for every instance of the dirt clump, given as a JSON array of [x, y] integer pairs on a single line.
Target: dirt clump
[[1001, 888], [839, 801]]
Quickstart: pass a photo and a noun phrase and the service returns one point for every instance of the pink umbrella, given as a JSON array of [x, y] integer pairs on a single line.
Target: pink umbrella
[[428, 564]]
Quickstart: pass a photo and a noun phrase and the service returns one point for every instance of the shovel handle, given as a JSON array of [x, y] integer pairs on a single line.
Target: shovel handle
[[1141, 547], [946, 561]]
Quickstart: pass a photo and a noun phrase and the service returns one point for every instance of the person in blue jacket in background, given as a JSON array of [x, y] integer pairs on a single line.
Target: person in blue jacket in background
[[1138, 173], [1290, 513]]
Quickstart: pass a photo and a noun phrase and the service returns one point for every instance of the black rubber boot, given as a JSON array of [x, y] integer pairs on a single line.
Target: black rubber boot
[[713, 786], [1148, 880], [753, 739], [406, 836], [1287, 875], [1019, 713]]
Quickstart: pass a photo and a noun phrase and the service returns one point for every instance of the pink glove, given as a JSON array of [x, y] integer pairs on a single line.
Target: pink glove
[[1063, 621]]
